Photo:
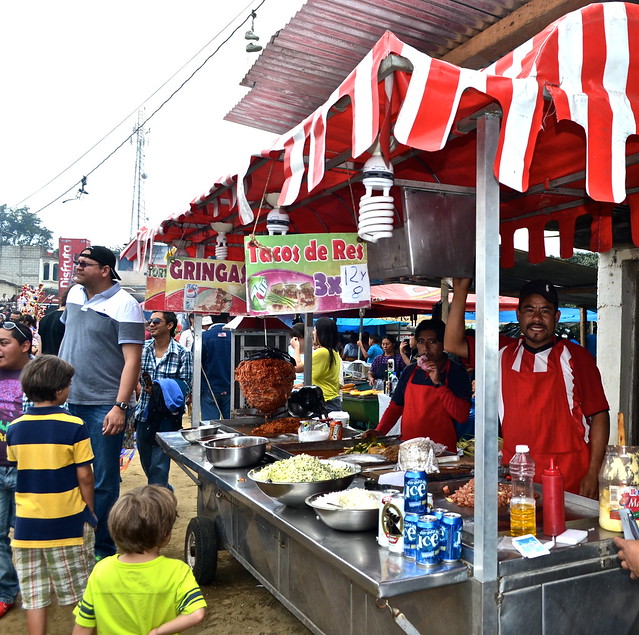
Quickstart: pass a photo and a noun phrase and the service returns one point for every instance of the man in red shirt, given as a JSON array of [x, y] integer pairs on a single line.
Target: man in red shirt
[[551, 396]]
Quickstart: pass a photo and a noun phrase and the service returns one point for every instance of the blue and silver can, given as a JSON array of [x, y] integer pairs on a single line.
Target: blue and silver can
[[452, 524], [439, 514], [410, 536], [428, 541], [415, 492]]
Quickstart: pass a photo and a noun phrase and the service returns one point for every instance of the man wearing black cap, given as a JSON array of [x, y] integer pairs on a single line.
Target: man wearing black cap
[[103, 339], [551, 396]]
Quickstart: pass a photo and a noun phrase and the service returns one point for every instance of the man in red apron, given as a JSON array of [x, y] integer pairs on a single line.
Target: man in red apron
[[550, 396], [431, 394]]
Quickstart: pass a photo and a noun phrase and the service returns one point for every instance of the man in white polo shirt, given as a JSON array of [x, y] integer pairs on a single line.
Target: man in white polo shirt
[[103, 339]]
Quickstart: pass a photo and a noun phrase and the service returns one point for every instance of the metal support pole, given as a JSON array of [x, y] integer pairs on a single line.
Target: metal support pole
[[308, 349], [487, 368], [196, 388]]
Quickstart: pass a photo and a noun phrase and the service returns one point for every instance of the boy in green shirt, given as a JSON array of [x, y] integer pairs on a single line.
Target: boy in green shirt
[[138, 590]]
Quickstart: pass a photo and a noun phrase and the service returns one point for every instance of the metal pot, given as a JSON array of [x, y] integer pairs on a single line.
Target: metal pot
[[235, 452]]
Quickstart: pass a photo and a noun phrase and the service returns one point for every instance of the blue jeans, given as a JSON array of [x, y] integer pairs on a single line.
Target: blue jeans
[[210, 410], [8, 577], [106, 468], [155, 462]]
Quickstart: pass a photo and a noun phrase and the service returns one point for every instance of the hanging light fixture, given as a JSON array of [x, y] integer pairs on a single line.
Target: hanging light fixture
[[221, 246], [278, 222], [376, 212]]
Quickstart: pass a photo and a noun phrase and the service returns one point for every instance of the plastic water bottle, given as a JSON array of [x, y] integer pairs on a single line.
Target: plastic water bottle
[[522, 503]]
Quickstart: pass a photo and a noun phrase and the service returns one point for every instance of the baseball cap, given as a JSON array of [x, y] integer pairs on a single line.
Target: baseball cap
[[104, 256], [544, 288], [207, 320]]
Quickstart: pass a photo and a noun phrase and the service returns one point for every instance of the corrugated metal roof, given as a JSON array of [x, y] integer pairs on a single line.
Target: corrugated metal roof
[[326, 39]]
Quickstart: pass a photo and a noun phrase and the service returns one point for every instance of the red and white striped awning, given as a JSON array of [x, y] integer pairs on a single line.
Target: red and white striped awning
[[569, 99]]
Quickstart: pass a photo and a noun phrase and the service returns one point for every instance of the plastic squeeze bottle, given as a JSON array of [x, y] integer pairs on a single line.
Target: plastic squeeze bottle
[[522, 503], [552, 484]]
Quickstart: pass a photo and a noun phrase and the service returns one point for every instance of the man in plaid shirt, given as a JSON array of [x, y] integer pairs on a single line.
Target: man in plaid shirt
[[162, 358]]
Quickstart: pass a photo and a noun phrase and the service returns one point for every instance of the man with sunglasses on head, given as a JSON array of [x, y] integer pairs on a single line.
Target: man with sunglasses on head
[[15, 352], [103, 339]]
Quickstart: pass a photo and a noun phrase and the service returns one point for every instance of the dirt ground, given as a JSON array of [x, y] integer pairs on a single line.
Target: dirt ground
[[237, 603]]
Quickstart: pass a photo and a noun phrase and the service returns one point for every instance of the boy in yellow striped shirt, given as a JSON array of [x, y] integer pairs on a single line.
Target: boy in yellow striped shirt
[[54, 532]]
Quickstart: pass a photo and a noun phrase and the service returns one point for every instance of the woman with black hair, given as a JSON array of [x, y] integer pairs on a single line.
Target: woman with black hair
[[327, 363], [379, 367]]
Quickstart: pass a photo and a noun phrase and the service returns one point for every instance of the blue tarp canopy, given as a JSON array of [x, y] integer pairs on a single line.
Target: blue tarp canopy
[[370, 324], [567, 315]]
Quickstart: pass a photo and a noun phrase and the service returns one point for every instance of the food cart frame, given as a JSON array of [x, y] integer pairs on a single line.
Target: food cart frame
[[340, 582]]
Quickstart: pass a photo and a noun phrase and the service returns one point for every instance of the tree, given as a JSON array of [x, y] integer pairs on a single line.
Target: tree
[[22, 227]]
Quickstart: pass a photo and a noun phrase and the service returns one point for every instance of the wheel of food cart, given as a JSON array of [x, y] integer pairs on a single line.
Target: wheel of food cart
[[200, 549]]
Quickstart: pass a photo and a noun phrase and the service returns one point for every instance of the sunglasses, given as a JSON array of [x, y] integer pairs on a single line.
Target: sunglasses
[[81, 264], [12, 325], [155, 321]]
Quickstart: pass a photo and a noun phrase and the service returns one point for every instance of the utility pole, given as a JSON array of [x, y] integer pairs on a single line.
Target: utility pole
[[138, 213]]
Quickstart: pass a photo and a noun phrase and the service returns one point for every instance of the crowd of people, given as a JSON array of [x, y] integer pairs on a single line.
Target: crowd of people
[[60, 466], [59, 459]]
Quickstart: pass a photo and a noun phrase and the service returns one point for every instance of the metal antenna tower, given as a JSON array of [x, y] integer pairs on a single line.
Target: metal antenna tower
[[138, 213]]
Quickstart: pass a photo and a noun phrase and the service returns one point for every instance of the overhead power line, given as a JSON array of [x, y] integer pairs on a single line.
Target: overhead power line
[[143, 123]]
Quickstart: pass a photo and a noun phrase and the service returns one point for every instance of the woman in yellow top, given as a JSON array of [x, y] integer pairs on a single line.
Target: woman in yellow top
[[327, 363]]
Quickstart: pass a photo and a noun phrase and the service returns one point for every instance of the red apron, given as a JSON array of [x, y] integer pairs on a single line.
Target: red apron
[[425, 416], [536, 412]]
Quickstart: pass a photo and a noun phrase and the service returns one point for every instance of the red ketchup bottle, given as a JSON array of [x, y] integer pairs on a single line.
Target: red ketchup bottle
[[552, 483]]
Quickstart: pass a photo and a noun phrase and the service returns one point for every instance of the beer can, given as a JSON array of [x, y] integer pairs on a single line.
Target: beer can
[[416, 492], [335, 430], [382, 539], [393, 521], [410, 536], [439, 514], [452, 524], [428, 542]]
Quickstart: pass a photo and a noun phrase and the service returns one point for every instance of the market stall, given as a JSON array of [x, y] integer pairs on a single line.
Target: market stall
[[342, 582], [514, 140]]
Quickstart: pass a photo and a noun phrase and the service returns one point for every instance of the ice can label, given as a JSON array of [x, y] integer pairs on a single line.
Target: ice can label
[[428, 554], [452, 548], [410, 536], [416, 492]]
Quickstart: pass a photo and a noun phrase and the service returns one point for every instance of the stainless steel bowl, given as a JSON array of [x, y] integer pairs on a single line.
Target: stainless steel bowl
[[236, 452], [218, 437], [295, 494], [193, 435], [344, 519]]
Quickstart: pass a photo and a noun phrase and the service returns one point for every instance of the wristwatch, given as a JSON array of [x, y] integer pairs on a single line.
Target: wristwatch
[[123, 405]]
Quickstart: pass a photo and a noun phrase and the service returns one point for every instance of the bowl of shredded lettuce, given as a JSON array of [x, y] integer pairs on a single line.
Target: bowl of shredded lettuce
[[292, 481]]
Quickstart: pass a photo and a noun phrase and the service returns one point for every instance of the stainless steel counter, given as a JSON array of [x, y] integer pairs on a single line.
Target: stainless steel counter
[[341, 582]]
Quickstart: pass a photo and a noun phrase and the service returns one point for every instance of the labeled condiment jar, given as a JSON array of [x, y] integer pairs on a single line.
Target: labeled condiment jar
[[618, 485]]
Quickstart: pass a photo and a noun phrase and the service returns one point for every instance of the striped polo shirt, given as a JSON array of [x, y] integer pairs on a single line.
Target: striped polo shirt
[[48, 445], [95, 330]]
